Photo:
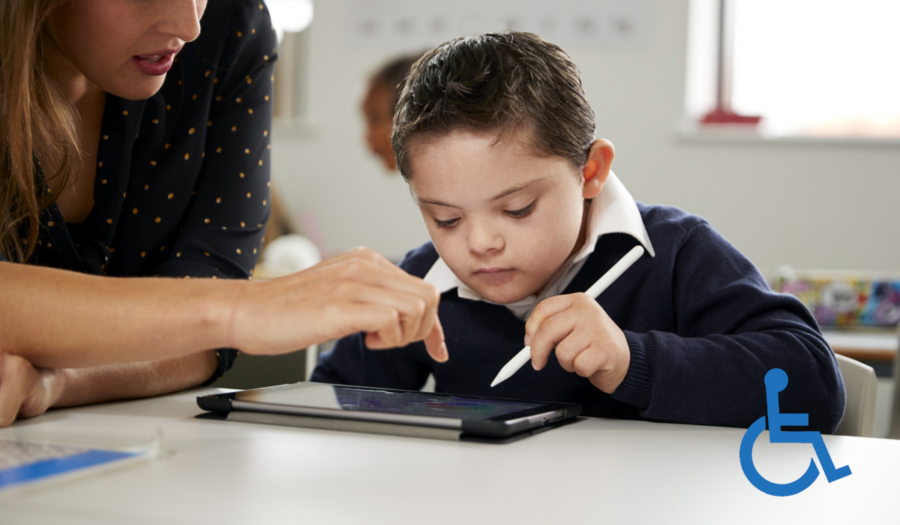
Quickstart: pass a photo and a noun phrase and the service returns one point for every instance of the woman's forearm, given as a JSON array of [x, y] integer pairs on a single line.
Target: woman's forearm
[[83, 386], [62, 319]]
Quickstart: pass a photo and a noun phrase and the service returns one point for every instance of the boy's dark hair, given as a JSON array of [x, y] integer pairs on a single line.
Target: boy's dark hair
[[496, 82]]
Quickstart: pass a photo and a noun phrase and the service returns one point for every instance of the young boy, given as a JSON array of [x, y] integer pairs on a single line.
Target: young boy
[[496, 139]]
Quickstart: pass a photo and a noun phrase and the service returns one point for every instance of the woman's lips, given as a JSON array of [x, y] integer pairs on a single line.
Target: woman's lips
[[154, 65]]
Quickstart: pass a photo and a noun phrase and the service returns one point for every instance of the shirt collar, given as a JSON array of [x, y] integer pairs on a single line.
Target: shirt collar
[[613, 211]]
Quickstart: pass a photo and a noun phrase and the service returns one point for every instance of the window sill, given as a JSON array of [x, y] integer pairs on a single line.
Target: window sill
[[692, 132]]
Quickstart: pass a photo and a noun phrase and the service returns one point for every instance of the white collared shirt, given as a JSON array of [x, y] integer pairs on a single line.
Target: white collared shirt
[[613, 211]]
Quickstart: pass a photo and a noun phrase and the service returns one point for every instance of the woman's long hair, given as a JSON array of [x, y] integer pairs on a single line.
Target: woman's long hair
[[36, 119]]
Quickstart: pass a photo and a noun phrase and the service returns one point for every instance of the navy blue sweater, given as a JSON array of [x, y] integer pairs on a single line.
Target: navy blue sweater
[[702, 325]]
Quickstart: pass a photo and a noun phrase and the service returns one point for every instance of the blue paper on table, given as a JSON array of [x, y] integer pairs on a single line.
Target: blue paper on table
[[23, 462]]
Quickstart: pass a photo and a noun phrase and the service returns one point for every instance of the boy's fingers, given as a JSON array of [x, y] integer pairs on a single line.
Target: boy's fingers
[[435, 343], [545, 309], [569, 349], [589, 361], [551, 331]]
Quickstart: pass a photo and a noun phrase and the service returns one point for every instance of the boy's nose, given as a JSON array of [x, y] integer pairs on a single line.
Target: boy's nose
[[483, 240]]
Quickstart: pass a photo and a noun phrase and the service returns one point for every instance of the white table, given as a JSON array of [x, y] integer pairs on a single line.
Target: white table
[[594, 471]]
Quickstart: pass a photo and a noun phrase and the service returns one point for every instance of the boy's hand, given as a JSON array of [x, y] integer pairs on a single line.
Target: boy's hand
[[587, 341]]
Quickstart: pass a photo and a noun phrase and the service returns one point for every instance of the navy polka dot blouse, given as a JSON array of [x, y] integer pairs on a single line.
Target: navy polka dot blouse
[[182, 184]]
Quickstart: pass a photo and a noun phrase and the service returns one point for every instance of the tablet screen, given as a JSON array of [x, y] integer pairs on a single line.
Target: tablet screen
[[359, 399]]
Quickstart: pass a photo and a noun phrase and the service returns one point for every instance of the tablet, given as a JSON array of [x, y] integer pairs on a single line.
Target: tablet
[[469, 416]]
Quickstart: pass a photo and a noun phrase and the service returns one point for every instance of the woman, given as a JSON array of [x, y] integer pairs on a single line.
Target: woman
[[134, 150]]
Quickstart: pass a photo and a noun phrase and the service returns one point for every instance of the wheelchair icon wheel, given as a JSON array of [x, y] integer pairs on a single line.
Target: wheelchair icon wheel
[[773, 489]]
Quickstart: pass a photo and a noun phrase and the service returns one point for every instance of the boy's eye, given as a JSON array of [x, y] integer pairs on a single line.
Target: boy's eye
[[524, 212], [445, 224]]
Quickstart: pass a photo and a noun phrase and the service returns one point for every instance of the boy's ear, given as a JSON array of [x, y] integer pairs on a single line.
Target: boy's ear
[[596, 169]]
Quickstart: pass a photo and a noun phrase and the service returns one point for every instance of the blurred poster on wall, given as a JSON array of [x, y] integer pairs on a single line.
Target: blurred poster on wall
[[409, 24]]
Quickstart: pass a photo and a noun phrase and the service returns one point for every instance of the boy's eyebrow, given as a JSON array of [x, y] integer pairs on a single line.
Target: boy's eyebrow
[[500, 195]]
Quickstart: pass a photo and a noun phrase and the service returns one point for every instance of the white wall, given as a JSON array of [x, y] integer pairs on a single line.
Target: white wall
[[822, 205]]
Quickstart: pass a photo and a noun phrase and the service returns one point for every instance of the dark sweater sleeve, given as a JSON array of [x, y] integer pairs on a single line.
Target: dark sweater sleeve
[[731, 330], [352, 363]]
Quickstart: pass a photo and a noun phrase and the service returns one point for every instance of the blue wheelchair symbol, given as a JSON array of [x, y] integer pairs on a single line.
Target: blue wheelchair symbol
[[776, 381]]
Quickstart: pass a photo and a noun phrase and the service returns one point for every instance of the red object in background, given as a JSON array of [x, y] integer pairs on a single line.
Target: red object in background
[[722, 115]]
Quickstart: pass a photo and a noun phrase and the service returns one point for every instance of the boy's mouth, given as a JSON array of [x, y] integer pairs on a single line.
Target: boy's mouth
[[494, 276]]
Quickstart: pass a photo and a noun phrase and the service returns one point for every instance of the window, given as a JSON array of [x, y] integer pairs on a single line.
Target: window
[[826, 68]]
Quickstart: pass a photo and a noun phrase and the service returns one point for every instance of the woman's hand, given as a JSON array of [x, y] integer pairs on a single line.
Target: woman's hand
[[25, 391], [357, 291]]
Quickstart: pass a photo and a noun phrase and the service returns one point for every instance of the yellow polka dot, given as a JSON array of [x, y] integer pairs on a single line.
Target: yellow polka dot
[[105, 137], [49, 245], [268, 146], [253, 31], [168, 107], [153, 163], [187, 276], [239, 100], [216, 81], [267, 98], [124, 195], [162, 248], [178, 254], [208, 72], [134, 211], [187, 156], [219, 98], [203, 154], [218, 200], [272, 78], [167, 146], [214, 277], [249, 80], [266, 133], [208, 123], [239, 251], [219, 149], [143, 254], [51, 224], [191, 131], [247, 151], [103, 181], [241, 174], [239, 34], [265, 57], [157, 220], [146, 187], [260, 162], [250, 111], [242, 224], [248, 194], [194, 97], [100, 164], [233, 128], [206, 254], [260, 7], [112, 250], [179, 82], [125, 112], [265, 202], [171, 196], [254, 250], [269, 184], [206, 221], [156, 121]]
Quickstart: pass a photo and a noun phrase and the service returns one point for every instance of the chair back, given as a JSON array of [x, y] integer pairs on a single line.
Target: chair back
[[861, 385]]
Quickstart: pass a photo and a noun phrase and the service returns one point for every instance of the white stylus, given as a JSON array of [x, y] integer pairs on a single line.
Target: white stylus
[[595, 290]]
